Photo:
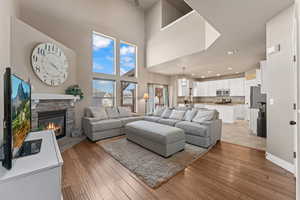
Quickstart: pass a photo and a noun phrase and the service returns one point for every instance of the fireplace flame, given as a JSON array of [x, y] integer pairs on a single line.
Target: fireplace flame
[[52, 126]]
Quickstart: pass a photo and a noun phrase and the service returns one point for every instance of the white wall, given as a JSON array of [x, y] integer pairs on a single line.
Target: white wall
[[280, 135], [8, 9], [183, 37]]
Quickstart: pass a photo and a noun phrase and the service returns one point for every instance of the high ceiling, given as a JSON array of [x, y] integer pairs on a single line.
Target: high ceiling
[[145, 4], [242, 28]]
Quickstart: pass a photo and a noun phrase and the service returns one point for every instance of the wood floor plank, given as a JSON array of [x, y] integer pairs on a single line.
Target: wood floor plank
[[227, 171]]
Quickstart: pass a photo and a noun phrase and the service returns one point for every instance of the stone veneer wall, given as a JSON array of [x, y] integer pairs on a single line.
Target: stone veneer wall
[[54, 105]]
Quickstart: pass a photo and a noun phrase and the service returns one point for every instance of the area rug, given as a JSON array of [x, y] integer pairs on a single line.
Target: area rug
[[153, 169]]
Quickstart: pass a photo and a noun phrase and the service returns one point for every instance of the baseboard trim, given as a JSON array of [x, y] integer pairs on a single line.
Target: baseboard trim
[[281, 163]]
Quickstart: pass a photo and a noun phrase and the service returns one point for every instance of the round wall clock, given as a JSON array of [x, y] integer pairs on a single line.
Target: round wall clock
[[50, 64]]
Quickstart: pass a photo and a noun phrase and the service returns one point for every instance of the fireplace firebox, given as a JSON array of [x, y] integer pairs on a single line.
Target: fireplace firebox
[[53, 120]]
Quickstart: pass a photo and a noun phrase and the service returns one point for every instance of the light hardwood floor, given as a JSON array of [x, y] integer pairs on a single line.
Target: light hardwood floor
[[227, 171]]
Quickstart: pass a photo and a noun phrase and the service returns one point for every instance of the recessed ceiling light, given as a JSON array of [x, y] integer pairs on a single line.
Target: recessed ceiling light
[[203, 77], [229, 68], [237, 72], [193, 74], [218, 74]]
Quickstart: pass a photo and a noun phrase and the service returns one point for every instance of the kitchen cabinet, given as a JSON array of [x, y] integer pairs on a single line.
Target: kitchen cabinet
[[183, 87], [209, 88], [237, 87]]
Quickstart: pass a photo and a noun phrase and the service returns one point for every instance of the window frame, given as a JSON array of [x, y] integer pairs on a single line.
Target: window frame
[[135, 99], [115, 53], [114, 98], [136, 58]]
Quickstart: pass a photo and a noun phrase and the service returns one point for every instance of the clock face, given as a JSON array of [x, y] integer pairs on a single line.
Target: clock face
[[50, 64]]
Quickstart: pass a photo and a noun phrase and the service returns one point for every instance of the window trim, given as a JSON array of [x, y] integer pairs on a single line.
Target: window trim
[[136, 57], [115, 53], [136, 94]]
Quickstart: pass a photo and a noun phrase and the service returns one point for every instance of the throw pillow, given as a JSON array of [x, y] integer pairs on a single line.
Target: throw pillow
[[98, 113], [167, 112], [189, 115], [158, 111], [112, 113], [177, 114], [124, 111], [204, 115]]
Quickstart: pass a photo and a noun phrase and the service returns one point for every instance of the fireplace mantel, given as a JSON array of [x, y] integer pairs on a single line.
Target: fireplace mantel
[[46, 96], [37, 97]]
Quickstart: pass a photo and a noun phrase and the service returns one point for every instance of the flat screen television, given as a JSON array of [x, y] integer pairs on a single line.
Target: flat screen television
[[17, 115]]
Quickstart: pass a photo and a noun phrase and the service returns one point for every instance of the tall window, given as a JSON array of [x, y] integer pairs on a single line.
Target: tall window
[[129, 95], [104, 92], [103, 54], [128, 59]]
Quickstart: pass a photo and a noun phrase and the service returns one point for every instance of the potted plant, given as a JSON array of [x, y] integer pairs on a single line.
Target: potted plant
[[75, 91]]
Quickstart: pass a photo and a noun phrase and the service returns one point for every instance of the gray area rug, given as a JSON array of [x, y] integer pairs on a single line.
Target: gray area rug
[[153, 169]]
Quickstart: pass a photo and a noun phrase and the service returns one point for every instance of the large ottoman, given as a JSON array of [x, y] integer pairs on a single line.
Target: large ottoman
[[162, 139]]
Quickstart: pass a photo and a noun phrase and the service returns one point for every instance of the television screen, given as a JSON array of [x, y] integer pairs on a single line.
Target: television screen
[[20, 111]]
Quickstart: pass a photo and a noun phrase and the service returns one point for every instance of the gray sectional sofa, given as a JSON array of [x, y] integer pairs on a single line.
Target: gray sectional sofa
[[202, 127]]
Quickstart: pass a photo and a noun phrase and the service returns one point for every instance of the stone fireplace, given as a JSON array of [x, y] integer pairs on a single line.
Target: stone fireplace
[[53, 112]]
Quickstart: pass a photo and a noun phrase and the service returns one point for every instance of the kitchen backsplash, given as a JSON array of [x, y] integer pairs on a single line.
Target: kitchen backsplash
[[239, 100]]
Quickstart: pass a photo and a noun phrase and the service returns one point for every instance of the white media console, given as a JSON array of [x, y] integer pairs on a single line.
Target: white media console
[[37, 176]]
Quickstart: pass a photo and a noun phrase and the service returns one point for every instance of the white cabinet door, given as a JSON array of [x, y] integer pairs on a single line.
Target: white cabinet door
[[183, 88], [212, 88], [237, 87], [195, 89]]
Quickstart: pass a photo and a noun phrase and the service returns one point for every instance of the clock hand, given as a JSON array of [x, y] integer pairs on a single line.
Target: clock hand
[[53, 65]]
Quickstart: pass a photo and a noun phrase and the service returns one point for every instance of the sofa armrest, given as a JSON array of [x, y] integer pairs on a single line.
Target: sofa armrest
[[87, 124], [214, 129]]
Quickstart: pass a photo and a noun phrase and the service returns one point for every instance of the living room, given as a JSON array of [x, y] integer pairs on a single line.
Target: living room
[[144, 97]]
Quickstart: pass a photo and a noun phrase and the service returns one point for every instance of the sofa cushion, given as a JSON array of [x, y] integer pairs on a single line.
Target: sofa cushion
[[112, 113], [169, 122], [204, 115], [158, 111], [152, 118], [124, 111], [127, 120], [98, 112], [104, 125], [177, 114], [167, 112], [189, 115], [193, 128]]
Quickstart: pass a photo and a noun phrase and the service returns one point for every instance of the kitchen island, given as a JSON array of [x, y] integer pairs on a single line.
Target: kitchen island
[[229, 113]]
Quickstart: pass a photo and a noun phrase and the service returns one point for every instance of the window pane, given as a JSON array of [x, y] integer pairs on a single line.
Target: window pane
[[128, 95], [103, 92], [103, 54], [128, 55]]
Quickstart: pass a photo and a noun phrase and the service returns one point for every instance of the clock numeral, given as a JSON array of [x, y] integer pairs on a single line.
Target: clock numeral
[[42, 52], [35, 58], [37, 68]]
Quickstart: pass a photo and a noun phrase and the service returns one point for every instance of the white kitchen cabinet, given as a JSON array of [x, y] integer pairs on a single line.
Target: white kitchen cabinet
[[237, 87], [212, 88], [183, 87]]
